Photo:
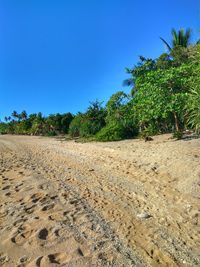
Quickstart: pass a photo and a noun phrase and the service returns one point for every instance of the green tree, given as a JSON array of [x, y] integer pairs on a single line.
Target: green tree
[[120, 122], [15, 115], [23, 115], [38, 125], [162, 96], [88, 123]]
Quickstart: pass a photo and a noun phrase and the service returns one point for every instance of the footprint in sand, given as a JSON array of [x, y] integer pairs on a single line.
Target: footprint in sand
[[3, 213], [22, 236], [22, 261], [3, 258], [44, 186], [63, 233], [48, 207], [37, 196], [6, 187], [19, 221], [29, 208], [52, 259], [58, 217]]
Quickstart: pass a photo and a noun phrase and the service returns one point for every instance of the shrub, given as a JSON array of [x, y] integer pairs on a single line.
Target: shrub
[[51, 133], [152, 129], [89, 123], [178, 135], [3, 128], [75, 125], [114, 132]]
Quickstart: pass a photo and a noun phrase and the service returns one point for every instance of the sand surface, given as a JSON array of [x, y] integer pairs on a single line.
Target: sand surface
[[128, 203]]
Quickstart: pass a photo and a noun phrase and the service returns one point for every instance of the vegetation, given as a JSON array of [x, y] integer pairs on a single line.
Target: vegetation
[[90, 122], [164, 97], [193, 104], [36, 124]]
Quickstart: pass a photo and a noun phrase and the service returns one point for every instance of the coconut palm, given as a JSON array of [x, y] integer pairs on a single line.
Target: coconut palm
[[23, 115], [179, 38], [15, 114]]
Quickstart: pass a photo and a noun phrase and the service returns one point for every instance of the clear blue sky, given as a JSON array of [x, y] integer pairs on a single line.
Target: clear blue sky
[[57, 55]]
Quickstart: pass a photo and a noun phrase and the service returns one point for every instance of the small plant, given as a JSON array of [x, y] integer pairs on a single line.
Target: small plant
[[51, 133], [178, 135], [149, 131]]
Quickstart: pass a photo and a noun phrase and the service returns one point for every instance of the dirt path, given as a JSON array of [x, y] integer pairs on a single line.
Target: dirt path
[[113, 204]]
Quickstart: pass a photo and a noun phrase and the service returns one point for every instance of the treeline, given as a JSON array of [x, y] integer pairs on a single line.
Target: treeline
[[36, 124], [165, 97]]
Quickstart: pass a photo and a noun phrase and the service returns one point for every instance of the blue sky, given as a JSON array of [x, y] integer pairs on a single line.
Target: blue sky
[[56, 56]]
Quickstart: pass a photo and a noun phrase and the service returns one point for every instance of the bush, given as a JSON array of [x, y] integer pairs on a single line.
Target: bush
[[75, 126], [51, 133], [114, 132], [152, 129], [3, 128], [89, 123], [178, 135]]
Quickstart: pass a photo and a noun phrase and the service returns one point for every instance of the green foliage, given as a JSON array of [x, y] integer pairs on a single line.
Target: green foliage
[[164, 61], [179, 38], [162, 97], [117, 107], [150, 130], [37, 124], [65, 122], [193, 105], [75, 125], [3, 128], [58, 123], [89, 123], [51, 133], [113, 132], [178, 135]]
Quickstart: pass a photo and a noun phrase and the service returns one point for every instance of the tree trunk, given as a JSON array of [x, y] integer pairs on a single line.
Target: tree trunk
[[176, 122]]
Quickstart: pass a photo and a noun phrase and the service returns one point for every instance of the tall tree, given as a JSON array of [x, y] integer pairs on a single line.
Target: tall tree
[[179, 38]]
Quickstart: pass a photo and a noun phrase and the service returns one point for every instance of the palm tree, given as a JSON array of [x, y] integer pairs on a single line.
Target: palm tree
[[23, 115], [15, 114], [179, 38]]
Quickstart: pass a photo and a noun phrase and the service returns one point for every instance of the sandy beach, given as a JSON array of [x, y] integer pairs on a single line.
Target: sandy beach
[[128, 203]]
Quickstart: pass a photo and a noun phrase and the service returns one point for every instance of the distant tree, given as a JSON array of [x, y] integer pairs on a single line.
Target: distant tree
[[15, 115], [23, 115], [88, 123], [65, 122]]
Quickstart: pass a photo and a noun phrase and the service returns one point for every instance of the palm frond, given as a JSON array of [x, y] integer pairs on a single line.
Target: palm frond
[[174, 37], [166, 43]]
